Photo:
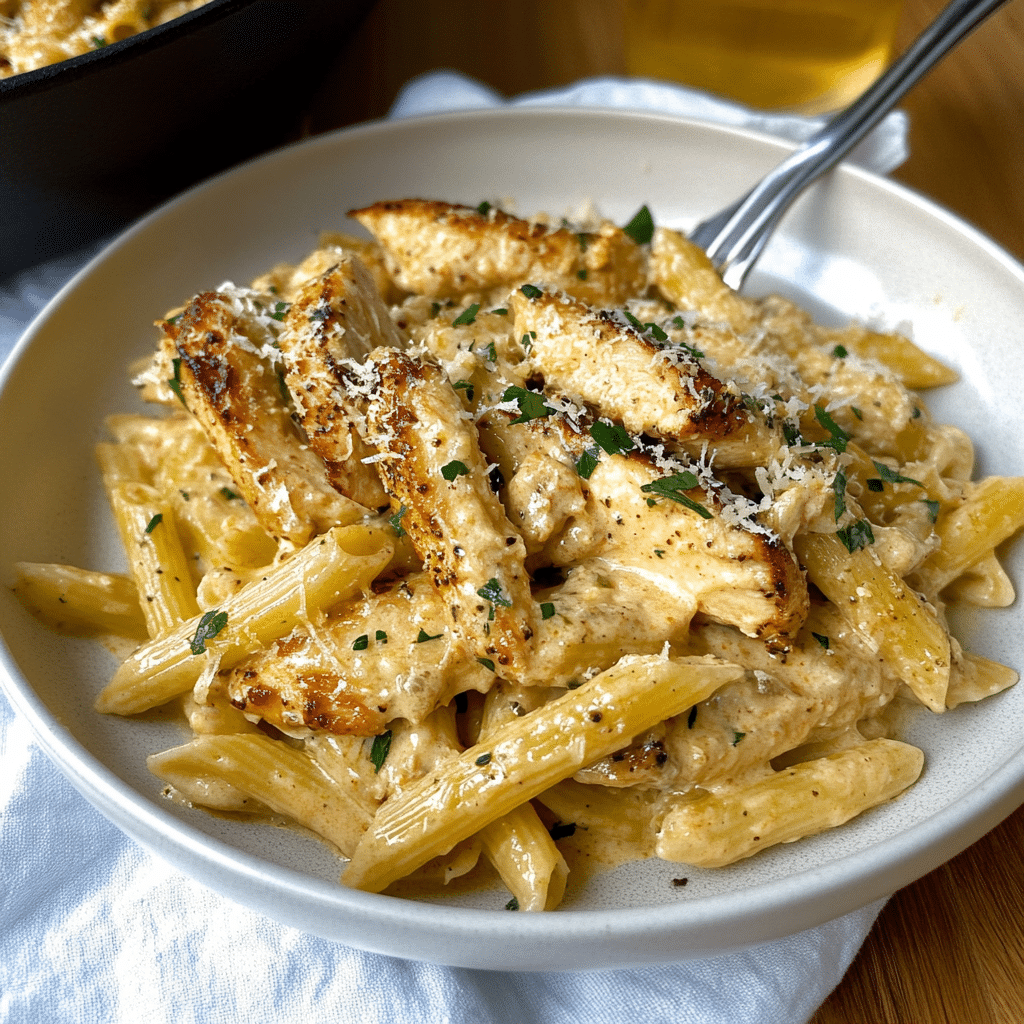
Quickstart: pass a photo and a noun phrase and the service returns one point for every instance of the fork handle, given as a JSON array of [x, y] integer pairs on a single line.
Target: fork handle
[[734, 239]]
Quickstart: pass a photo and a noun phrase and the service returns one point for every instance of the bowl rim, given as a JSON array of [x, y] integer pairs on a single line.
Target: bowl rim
[[71, 69], [908, 854]]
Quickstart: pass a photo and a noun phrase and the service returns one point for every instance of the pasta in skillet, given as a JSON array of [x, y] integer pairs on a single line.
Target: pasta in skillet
[[35, 33], [486, 530]]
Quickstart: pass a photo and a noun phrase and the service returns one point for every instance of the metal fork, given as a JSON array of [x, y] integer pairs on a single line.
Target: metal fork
[[734, 237]]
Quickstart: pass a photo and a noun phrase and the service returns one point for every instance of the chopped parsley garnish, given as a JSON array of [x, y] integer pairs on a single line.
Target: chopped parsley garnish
[[840, 352], [612, 437], [435, 308], [467, 386], [641, 226], [380, 636], [857, 535], [822, 639], [750, 403], [500, 311], [587, 463], [227, 494], [856, 412], [361, 643], [680, 324], [660, 552], [531, 404], [531, 291], [737, 736], [210, 624], [321, 313], [379, 750], [837, 436], [839, 490], [547, 610], [467, 316], [890, 476], [562, 830], [280, 309], [791, 434], [528, 339], [584, 239], [513, 904], [693, 353], [282, 384], [933, 508], [671, 487], [98, 42], [172, 320], [491, 591], [395, 521], [483, 759], [874, 484], [492, 352], [487, 664], [154, 522], [484, 208], [649, 328], [174, 382], [450, 470], [582, 273], [424, 636]]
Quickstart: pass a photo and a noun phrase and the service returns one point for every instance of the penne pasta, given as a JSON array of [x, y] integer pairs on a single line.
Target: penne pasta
[[279, 777], [914, 367], [992, 513], [76, 600], [524, 854], [884, 611], [337, 565], [524, 758], [156, 558], [708, 830]]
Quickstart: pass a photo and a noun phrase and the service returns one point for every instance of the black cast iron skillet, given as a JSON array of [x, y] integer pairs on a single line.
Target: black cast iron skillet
[[90, 143]]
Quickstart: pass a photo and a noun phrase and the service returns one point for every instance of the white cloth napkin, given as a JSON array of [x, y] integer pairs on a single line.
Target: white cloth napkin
[[882, 151], [95, 930]]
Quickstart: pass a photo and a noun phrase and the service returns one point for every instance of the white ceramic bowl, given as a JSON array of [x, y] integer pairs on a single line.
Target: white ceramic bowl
[[856, 245]]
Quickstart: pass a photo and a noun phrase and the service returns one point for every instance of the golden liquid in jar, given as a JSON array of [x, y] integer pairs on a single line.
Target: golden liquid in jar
[[804, 55]]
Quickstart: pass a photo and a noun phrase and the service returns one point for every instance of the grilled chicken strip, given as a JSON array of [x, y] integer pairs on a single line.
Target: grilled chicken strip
[[433, 468], [386, 656], [616, 366], [286, 279], [623, 502], [335, 317], [236, 396], [542, 487], [444, 250], [692, 546]]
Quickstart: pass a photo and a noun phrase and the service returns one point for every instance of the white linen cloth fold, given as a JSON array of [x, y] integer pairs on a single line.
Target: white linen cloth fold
[[437, 91], [96, 930]]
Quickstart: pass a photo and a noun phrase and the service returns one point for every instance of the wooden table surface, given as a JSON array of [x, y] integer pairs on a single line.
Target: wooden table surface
[[948, 949]]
